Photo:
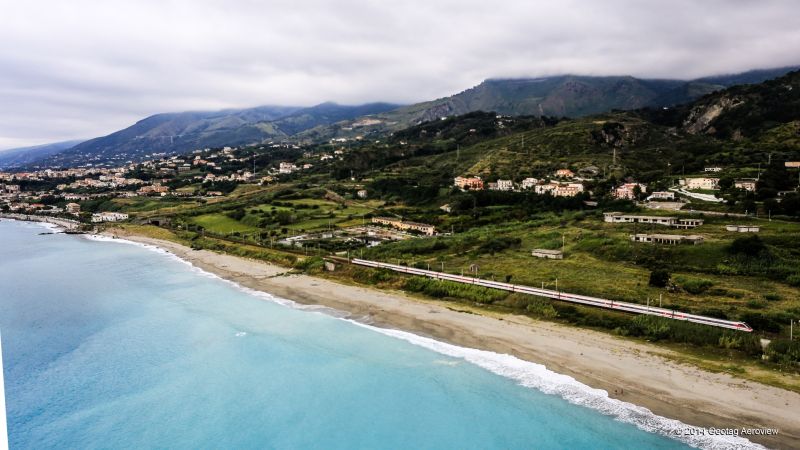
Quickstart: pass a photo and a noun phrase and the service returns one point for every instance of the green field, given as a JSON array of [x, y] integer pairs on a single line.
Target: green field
[[601, 261], [259, 214], [222, 224]]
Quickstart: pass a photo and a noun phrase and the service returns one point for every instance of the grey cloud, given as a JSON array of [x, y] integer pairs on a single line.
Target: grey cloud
[[85, 68]]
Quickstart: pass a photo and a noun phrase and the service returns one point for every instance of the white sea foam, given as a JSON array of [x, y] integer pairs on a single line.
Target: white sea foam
[[526, 373], [50, 226], [537, 376], [35, 224], [205, 273]]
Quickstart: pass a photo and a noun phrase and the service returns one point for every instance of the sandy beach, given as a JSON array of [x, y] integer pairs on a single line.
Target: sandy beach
[[630, 371]]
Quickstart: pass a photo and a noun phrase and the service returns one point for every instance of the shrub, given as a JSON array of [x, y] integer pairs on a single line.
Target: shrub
[[236, 214], [784, 352], [371, 276], [657, 328], [749, 245], [313, 264], [542, 308], [755, 304], [499, 244], [762, 322], [442, 289], [695, 285], [659, 278]]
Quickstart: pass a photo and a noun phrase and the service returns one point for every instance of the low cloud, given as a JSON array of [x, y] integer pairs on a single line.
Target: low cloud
[[83, 68]]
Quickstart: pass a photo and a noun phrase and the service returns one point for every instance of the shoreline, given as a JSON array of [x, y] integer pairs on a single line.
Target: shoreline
[[59, 223], [629, 371]]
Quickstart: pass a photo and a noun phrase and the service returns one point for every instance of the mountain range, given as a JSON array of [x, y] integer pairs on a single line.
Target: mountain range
[[182, 132], [559, 96], [744, 128], [25, 156]]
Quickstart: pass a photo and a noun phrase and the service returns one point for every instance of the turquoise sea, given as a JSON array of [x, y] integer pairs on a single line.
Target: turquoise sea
[[108, 344]]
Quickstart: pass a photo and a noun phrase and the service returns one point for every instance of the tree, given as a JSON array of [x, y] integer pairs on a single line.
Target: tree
[[659, 278], [749, 246], [236, 214], [725, 183], [285, 217], [637, 192]]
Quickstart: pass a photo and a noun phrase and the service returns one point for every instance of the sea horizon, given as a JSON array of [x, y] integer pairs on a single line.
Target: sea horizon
[[613, 420]]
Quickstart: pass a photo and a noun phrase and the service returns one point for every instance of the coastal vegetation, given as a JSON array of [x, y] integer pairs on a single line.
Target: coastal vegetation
[[320, 207]]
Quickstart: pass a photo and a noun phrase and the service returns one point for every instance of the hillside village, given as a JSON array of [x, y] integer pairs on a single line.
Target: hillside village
[[59, 192]]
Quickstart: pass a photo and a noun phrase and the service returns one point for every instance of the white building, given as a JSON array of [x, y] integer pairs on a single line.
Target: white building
[[668, 239], [503, 185], [286, 167], [628, 191], [542, 189], [73, 208], [670, 221], [548, 254], [108, 217], [743, 228], [662, 195], [529, 183], [748, 184], [705, 183]]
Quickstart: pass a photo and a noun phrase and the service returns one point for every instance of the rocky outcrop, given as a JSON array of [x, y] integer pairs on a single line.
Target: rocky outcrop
[[701, 117]]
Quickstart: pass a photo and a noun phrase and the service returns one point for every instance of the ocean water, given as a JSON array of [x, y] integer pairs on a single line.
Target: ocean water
[[112, 345]]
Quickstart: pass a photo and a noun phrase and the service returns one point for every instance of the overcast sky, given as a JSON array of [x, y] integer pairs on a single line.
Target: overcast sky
[[80, 68]]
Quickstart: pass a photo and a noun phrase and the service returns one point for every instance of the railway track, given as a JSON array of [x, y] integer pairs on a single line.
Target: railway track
[[563, 296]]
